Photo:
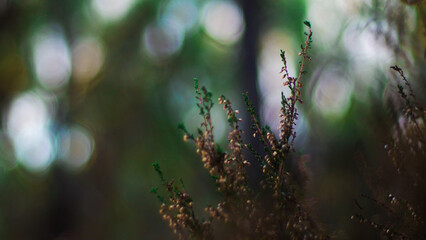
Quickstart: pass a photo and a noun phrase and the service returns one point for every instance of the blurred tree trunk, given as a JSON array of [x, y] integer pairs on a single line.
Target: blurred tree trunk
[[248, 71], [252, 12]]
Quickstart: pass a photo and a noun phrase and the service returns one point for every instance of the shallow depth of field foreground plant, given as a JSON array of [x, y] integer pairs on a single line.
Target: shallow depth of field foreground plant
[[398, 183], [278, 210]]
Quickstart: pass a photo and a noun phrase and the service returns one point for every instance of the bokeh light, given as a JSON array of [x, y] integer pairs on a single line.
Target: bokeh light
[[182, 14], [223, 21], [27, 124], [347, 31], [327, 25], [269, 78], [111, 10], [76, 147], [332, 94], [51, 58], [162, 40], [87, 58], [367, 50]]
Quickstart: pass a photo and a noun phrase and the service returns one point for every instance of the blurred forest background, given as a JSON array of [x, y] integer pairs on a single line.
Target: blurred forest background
[[91, 93]]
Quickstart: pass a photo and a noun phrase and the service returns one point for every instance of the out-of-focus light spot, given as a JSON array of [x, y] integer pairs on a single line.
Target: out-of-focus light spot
[[327, 17], [27, 113], [76, 147], [162, 40], [270, 79], [368, 54], [332, 94], [223, 21], [182, 13], [87, 59], [27, 125], [51, 58], [111, 10], [38, 154], [366, 49]]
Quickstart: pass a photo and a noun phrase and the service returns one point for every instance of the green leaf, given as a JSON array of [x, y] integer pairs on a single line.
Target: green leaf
[[308, 24]]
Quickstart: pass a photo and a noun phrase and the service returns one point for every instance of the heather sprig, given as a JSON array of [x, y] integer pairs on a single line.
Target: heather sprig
[[178, 210], [402, 194], [277, 211], [289, 113], [413, 111]]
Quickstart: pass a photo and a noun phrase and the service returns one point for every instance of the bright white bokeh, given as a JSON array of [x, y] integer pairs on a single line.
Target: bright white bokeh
[[162, 40], [87, 58], [343, 27], [368, 51], [223, 21], [51, 58], [183, 14], [332, 94], [76, 147], [111, 10], [27, 124], [329, 17], [270, 80]]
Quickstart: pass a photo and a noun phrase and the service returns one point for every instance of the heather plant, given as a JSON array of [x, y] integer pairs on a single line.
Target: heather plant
[[276, 211], [398, 183]]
